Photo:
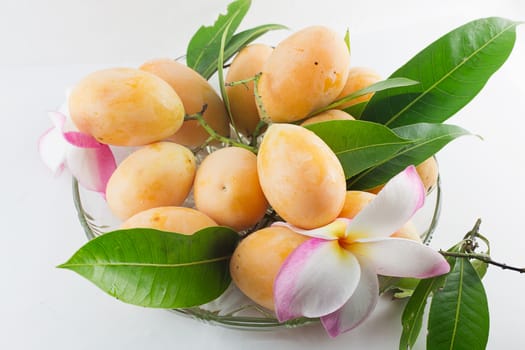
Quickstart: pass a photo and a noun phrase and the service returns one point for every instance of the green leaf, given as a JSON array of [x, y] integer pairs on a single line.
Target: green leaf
[[459, 314], [427, 140], [356, 110], [383, 85], [347, 40], [220, 63], [481, 267], [452, 70], [412, 317], [204, 46], [158, 269], [237, 42], [358, 144]]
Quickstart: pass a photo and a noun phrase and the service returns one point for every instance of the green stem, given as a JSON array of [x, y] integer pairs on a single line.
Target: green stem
[[258, 100], [222, 85], [241, 82], [257, 132], [214, 135]]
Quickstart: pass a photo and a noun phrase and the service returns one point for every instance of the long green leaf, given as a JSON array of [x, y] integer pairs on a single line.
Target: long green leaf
[[412, 317], [428, 139], [158, 269], [357, 144], [356, 110], [459, 314], [236, 43], [204, 46], [392, 83], [452, 70], [220, 64]]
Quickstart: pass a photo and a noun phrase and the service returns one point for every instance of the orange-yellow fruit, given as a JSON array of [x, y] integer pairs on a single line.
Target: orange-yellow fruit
[[160, 174], [257, 260], [195, 92], [171, 219], [300, 175], [227, 188], [248, 63], [355, 201], [331, 114], [305, 72], [408, 231], [358, 78], [125, 107], [428, 172]]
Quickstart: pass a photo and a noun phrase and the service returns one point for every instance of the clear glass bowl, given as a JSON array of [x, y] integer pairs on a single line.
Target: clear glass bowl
[[232, 309]]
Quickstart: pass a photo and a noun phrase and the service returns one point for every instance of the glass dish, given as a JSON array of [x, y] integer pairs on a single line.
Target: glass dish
[[232, 309]]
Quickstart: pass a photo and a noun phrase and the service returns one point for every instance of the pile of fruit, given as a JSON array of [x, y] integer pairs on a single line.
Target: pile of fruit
[[285, 172]]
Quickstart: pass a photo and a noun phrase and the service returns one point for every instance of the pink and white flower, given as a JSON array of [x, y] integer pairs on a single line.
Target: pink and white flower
[[90, 161], [334, 274]]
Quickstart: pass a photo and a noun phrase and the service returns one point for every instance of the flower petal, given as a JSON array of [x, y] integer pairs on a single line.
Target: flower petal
[[52, 149], [394, 205], [51, 145], [91, 166], [81, 140], [315, 280], [401, 257], [358, 307], [58, 119], [334, 230]]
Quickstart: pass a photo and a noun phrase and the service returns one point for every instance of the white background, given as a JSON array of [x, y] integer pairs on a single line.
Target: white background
[[46, 46]]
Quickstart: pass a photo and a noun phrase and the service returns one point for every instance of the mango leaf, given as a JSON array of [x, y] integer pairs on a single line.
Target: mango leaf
[[241, 39], [356, 110], [158, 269], [388, 84], [220, 75], [347, 40], [427, 140], [481, 267], [237, 42], [413, 313], [204, 46], [459, 314], [357, 144], [452, 70]]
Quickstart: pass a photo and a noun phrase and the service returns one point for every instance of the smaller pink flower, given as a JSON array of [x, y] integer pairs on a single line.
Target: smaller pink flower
[[334, 275], [90, 161]]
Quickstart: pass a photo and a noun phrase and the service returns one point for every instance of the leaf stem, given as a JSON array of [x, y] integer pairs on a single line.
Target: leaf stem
[[468, 246], [482, 257]]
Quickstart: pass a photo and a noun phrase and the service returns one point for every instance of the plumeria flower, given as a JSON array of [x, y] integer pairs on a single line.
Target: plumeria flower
[[90, 161], [333, 275]]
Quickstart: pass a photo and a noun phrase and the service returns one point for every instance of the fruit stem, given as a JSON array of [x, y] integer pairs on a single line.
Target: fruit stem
[[241, 82], [258, 100], [257, 132], [213, 134]]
